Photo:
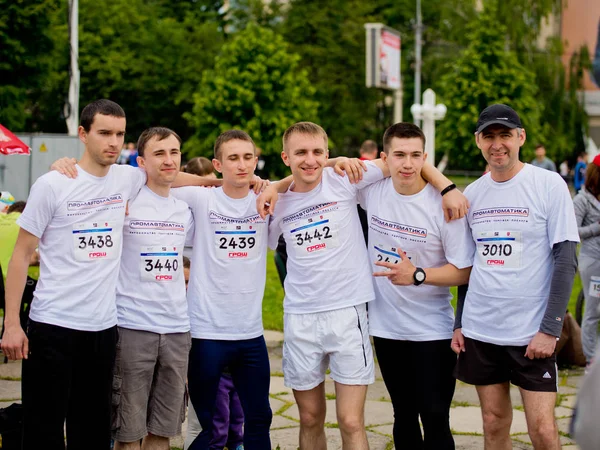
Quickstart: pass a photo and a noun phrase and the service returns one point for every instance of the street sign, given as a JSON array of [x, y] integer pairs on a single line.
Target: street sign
[[383, 56]]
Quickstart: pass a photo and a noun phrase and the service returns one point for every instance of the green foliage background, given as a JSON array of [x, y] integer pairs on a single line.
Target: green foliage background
[[202, 66]]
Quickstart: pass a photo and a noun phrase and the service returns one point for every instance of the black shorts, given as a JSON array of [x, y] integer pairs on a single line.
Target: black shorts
[[482, 363]]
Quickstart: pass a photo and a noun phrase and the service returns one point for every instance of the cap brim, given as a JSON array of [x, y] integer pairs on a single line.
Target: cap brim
[[496, 122]]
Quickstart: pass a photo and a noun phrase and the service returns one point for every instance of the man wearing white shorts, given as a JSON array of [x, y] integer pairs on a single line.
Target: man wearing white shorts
[[154, 340], [327, 287], [523, 224]]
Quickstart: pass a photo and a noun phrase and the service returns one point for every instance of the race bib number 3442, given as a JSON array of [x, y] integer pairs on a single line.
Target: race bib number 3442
[[314, 235], [499, 249], [96, 240]]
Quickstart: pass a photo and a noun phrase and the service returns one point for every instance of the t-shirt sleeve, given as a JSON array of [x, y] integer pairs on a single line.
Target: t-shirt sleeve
[[191, 195], [190, 230], [136, 176], [363, 196], [457, 240], [40, 208], [561, 221], [372, 175], [274, 232]]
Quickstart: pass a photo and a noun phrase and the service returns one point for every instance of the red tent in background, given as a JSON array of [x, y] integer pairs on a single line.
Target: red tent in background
[[11, 145]]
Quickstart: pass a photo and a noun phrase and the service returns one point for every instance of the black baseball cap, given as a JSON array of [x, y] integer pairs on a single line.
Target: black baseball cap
[[498, 114]]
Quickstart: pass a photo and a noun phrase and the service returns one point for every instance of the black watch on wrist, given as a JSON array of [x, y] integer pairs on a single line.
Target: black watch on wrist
[[419, 276]]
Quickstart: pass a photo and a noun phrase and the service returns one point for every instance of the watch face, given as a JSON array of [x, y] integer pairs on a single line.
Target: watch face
[[420, 276]]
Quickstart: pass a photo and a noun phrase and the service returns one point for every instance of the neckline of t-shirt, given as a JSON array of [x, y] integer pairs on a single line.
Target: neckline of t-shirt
[[158, 198], [514, 180], [220, 192], [408, 197], [82, 171]]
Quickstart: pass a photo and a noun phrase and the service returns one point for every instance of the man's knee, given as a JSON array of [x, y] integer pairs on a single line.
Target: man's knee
[[312, 418], [496, 421], [351, 423], [544, 432]]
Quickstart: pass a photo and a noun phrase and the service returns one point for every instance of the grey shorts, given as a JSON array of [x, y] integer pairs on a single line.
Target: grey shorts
[[149, 384]]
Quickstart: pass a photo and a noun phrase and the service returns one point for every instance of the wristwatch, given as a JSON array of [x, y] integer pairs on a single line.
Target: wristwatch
[[419, 276]]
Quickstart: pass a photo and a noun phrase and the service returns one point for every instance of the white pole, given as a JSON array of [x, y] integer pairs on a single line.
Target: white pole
[[418, 45], [72, 109], [429, 124], [398, 104]]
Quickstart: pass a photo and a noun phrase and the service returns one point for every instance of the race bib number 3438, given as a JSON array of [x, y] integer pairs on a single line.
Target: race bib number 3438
[[499, 249], [96, 240]]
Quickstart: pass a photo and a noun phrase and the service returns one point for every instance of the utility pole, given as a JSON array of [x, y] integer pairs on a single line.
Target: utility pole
[[71, 108], [418, 45]]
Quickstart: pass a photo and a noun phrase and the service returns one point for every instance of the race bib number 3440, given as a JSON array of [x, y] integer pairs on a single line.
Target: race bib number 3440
[[160, 264], [499, 249], [96, 240]]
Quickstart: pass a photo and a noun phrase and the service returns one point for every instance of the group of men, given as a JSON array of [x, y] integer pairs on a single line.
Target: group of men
[[101, 267]]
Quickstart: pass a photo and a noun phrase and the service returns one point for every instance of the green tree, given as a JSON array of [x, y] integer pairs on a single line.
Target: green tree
[[256, 85], [25, 56], [484, 73]]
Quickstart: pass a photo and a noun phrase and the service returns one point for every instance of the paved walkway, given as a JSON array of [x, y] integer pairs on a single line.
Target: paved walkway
[[465, 415]]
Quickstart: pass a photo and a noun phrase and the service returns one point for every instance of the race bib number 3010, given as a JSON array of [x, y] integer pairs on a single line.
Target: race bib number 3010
[[499, 249], [160, 264], [96, 240]]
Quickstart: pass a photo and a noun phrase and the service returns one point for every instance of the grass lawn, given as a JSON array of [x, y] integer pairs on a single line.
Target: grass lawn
[[273, 299]]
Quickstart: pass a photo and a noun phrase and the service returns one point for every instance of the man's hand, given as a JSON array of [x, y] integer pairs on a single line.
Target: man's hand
[[15, 344], [353, 167], [541, 346], [258, 184], [455, 205], [66, 166], [400, 274], [265, 202], [458, 341]]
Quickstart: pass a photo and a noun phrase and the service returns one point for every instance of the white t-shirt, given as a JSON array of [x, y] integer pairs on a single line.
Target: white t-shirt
[[514, 225], [416, 225], [229, 265], [151, 288], [80, 225], [327, 267]]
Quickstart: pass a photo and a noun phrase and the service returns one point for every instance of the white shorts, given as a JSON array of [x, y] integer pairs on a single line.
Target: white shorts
[[336, 339]]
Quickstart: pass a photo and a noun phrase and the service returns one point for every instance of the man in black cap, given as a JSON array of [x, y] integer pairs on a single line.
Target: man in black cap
[[523, 224]]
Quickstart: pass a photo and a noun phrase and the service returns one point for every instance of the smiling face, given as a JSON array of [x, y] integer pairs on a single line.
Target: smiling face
[[306, 155], [104, 140], [236, 163], [405, 158], [500, 146], [161, 160]]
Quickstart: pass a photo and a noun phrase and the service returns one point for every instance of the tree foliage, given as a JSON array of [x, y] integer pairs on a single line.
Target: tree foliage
[[256, 85], [25, 49], [485, 73]]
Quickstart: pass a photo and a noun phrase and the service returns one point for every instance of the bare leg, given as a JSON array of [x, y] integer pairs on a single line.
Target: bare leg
[[496, 410], [350, 409], [539, 411], [312, 408]]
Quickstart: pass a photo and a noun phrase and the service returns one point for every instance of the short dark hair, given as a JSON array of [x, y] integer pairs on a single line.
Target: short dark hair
[[186, 262], [232, 135], [402, 130], [369, 146], [17, 207], [200, 166], [592, 179], [102, 106], [159, 132], [540, 146]]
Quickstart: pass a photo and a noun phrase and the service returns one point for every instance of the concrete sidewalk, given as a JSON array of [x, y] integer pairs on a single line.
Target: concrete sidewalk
[[465, 415]]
